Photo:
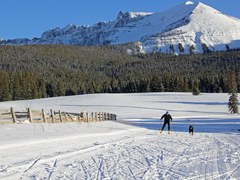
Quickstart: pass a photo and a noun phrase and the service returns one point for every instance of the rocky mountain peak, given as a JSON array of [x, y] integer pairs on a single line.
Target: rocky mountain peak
[[184, 28]]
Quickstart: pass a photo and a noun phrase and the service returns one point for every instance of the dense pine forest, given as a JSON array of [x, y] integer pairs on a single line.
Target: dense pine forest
[[38, 71]]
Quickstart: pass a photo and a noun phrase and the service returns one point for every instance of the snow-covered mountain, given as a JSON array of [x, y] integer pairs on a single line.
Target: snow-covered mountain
[[188, 26]]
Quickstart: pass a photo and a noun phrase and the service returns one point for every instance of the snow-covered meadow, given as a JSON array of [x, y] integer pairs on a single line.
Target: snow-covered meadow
[[129, 148]]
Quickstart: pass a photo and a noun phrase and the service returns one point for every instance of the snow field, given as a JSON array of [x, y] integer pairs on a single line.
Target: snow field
[[130, 148]]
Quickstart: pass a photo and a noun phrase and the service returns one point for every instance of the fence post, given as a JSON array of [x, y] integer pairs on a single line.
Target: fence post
[[95, 116], [51, 111], [81, 117], [30, 115], [105, 116], [99, 116], [13, 115], [87, 117], [60, 116], [78, 118], [43, 116], [65, 116], [92, 116]]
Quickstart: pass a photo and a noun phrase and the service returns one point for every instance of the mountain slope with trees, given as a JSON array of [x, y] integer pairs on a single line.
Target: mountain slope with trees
[[39, 71]]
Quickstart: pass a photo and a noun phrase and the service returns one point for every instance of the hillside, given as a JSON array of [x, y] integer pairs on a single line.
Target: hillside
[[38, 71]]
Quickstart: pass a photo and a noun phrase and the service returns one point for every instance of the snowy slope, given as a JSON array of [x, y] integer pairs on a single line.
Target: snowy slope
[[199, 24], [130, 148], [191, 24]]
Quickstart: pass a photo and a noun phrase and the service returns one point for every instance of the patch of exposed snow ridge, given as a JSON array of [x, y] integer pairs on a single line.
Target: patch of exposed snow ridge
[[137, 14], [189, 2]]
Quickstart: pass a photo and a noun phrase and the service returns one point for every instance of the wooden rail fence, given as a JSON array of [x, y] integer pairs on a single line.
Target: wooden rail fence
[[33, 116]]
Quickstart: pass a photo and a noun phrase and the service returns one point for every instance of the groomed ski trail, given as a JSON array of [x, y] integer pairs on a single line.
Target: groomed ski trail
[[142, 154]]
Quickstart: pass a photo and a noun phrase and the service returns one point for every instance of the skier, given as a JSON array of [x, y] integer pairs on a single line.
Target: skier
[[167, 117]]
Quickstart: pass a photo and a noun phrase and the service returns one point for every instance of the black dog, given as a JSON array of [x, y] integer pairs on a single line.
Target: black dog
[[190, 129]]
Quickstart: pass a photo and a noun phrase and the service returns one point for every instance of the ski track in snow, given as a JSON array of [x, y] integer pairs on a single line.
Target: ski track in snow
[[143, 155], [130, 148]]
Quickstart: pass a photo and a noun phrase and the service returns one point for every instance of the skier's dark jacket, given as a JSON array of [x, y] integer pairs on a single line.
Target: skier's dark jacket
[[167, 118]]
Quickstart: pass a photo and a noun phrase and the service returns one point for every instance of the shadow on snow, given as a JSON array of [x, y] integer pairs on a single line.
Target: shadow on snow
[[203, 125]]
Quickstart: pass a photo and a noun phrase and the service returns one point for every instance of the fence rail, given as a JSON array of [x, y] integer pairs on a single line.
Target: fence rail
[[34, 116]]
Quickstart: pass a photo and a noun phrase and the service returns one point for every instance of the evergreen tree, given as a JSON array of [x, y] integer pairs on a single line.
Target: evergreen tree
[[195, 90], [50, 90], [5, 94], [181, 48], [60, 91], [156, 84], [30, 90], [205, 48], [171, 48], [192, 49], [233, 99], [233, 103], [227, 47], [42, 88], [18, 88]]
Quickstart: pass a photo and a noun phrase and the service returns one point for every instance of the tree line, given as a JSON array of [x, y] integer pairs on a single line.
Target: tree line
[[39, 71]]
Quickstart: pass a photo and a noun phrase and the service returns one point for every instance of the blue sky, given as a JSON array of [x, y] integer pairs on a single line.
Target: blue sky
[[30, 18]]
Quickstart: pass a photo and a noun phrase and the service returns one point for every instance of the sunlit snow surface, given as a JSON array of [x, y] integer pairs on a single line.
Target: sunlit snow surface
[[131, 147]]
